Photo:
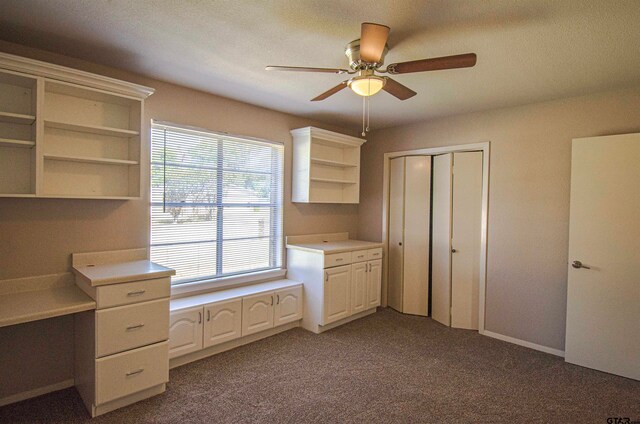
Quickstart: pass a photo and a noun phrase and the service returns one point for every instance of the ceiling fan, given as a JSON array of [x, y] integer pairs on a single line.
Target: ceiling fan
[[366, 56]]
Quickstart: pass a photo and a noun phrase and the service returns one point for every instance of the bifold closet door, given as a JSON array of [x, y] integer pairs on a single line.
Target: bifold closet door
[[441, 240], [465, 239], [409, 216], [396, 229], [417, 205]]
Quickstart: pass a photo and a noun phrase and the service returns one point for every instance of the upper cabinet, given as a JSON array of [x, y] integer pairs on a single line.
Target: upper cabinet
[[67, 133], [326, 166]]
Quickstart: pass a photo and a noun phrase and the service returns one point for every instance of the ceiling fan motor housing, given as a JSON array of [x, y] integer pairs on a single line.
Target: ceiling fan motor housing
[[352, 51]]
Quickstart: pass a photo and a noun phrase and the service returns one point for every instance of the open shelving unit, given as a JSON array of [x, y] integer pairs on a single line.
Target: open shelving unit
[[17, 134], [68, 134], [326, 166]]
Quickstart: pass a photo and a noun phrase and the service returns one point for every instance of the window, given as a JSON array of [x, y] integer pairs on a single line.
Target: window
[[216, 203]]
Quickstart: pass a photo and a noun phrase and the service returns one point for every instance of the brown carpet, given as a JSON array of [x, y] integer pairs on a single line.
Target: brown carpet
[[387, 367]]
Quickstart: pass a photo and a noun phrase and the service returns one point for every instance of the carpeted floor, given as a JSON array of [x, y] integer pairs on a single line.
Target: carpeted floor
[[387, 367]]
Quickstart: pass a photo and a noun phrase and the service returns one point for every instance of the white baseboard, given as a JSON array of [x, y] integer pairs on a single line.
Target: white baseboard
[[37, 392], [524, 343]]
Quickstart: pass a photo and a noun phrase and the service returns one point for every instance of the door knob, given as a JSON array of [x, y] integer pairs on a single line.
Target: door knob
[[578, 264]]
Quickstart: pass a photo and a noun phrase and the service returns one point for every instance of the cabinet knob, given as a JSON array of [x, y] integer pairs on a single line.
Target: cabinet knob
[[399, 243]]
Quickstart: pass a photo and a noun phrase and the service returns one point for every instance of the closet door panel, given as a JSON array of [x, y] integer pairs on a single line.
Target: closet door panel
[[396, 226], [465, 263], [417, 205], [441, 240]]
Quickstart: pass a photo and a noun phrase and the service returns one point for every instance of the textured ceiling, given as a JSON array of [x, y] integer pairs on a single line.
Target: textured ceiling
[[528, 51]]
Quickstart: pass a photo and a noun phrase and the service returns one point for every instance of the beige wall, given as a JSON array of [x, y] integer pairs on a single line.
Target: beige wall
[[528, 198], [37, 236]]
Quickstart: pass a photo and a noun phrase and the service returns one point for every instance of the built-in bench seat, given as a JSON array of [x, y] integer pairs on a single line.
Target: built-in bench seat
[[209, 323]]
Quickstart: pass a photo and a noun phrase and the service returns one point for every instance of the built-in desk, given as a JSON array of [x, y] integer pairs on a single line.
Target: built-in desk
[[34, 298]]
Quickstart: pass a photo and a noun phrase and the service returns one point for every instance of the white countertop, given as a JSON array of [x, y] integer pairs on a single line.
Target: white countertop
[[36, 298], [98, 275], [228, 294], [336, 246]]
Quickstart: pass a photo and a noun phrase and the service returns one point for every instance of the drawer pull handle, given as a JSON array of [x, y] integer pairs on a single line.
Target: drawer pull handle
[[338, 259], [135, 327], [135, 372], [136, 293]]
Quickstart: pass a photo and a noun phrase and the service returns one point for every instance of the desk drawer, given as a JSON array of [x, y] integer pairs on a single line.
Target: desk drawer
[[359, 256], [373, 254], [337, 259], [134, 292], [130, 372], [128, 327]]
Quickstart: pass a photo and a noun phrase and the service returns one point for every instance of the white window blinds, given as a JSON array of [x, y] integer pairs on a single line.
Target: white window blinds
[[216, 203]]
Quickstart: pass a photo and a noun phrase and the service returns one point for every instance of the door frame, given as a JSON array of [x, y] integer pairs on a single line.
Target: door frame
[[483, 147]]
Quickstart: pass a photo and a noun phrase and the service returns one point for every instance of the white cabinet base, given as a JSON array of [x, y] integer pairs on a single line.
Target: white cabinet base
[[314, 328], [128, 400], [223, 347]]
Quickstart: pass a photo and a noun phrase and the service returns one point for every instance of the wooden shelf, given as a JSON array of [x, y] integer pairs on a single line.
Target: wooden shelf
[[333, 163], [92, 129], [82, 196], [331, 180], [9, 142], [17, 118], [84, 159]]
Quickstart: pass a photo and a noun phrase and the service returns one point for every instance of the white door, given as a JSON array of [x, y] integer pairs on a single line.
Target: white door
[[337, 285], [465, 243], [358, 287], [603, 296], [257, 313], [417, 204], [441, 240], [396, 228], [223, 322], [288, 307], [185, 331], [374, 281]]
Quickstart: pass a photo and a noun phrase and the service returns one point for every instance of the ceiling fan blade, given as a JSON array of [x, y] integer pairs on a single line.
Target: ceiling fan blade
[[394, 88], [373, 39], [304, 69], [434, 64], [330, 92]]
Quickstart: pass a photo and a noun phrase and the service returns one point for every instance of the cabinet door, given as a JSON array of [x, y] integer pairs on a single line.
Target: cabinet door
[[257, 313], [337, 285], [359, 287], [288, 306], [223, 322], [185, 331], [374, 282]]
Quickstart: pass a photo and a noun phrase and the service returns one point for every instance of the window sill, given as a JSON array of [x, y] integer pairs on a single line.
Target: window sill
[[206, 286]]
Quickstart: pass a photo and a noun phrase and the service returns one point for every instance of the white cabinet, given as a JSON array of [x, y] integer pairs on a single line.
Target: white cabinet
[[223, 323], [66, 133], [326, 166], [257, 313], [374, 283], [121, 352], [337, 284], [359, 287], [342, 278], [212, 319], [185, 331], [288, 307]]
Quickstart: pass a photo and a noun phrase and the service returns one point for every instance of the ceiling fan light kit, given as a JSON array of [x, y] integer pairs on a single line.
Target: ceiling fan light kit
[[366, 56]]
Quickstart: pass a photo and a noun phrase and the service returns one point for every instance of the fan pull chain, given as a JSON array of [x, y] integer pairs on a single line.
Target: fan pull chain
[[364, 106], [368, 112]]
